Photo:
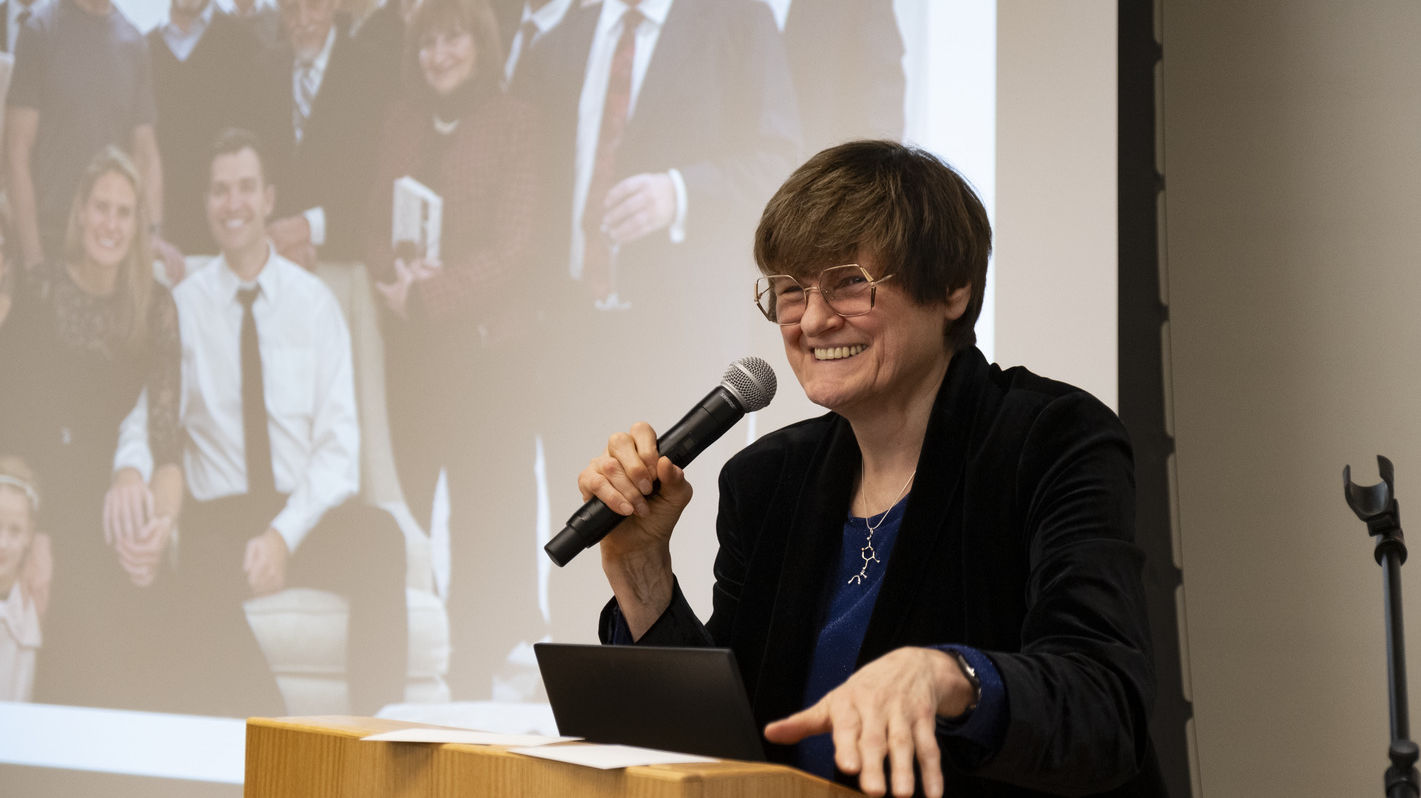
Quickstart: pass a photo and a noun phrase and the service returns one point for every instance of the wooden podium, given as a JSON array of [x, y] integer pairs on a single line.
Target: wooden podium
[[324, 757]]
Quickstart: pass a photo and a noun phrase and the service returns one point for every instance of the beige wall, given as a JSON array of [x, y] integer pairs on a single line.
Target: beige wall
[[1292, 208]]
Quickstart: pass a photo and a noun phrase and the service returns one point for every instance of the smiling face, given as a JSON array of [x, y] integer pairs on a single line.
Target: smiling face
[[16, 532], [861, 365], [446, 57], [108, 220], [238, 203]]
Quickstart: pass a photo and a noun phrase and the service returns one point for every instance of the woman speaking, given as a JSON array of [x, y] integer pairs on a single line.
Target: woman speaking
[[934, 586]]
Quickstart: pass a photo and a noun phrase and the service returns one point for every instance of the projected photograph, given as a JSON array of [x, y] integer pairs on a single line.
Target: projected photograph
[[311, 312]]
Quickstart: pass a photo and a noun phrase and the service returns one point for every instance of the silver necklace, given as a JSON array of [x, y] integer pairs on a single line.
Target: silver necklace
[[867, 552]]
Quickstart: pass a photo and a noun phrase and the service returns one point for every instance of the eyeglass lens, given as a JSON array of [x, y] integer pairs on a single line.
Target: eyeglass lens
[[847, 289]]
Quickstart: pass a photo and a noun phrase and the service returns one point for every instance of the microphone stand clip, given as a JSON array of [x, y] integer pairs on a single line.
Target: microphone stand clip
[[1376, 505]]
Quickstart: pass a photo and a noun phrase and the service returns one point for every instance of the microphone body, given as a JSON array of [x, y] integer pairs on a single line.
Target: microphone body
[[711, 418]]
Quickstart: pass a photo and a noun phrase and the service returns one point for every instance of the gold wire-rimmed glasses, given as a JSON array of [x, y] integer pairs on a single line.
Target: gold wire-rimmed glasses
[[848, 290]]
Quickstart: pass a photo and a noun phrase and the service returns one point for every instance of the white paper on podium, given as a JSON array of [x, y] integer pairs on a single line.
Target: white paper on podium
[[426, 734], [610, 757]]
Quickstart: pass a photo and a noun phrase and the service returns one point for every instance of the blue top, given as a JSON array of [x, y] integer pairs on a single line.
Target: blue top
[[846, 611], [848, 606]]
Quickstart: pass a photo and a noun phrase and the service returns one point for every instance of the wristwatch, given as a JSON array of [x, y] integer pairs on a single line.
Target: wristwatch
[[971, 674]]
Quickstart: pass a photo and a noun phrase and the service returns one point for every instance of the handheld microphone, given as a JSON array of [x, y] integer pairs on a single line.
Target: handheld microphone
[[748, 385]]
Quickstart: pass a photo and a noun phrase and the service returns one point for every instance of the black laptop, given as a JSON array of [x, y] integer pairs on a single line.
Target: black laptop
[[689, 700]]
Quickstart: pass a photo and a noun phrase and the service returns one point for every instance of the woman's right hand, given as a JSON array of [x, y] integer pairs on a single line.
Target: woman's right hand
[[636, 555], [623, 478]]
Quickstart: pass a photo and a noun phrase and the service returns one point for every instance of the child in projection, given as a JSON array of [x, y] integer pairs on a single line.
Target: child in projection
[[19, 607]]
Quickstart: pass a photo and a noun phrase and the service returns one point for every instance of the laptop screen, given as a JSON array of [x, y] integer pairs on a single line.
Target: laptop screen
[[689, 700]]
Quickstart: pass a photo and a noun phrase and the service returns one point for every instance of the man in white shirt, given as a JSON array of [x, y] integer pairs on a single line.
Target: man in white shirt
[[272, 450]]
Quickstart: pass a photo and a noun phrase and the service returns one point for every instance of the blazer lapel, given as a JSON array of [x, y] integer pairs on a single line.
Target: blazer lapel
[[930, 529], [811, 550]]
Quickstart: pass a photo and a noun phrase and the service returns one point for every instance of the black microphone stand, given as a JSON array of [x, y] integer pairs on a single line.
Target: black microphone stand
[[1376, 506]]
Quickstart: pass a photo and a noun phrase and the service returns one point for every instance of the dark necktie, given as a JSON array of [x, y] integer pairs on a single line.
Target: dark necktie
[[254, 419], [596, 250]]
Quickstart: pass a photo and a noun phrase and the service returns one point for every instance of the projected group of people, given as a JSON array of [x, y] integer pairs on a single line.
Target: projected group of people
[[181, 409]]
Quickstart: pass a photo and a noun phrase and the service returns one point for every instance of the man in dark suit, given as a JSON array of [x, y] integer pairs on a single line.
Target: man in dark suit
[[708, 130], [318, 103]]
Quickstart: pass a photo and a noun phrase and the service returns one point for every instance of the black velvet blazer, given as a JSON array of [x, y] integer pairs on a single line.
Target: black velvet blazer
[[1017, 540]]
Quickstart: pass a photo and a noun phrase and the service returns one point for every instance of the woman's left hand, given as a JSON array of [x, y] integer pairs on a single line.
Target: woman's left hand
[[887, 710]]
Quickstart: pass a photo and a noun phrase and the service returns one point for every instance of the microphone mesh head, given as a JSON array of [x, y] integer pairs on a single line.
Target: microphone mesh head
[[752, 381]]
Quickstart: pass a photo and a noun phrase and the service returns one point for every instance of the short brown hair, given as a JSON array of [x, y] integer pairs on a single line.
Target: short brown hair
[[474, 17], [914, 214], [233, 140]]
